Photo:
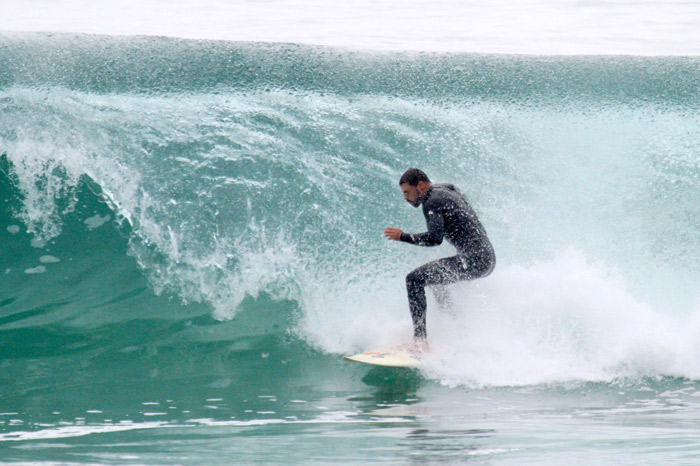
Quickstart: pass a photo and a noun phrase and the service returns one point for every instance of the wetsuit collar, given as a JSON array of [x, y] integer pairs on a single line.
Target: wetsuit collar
[[423, 198]]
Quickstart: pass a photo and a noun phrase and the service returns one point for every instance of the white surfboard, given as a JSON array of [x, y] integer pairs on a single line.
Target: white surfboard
[[388, 358]]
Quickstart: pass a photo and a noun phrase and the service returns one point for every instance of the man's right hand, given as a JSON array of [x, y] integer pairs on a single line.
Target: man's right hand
[[393, 233]]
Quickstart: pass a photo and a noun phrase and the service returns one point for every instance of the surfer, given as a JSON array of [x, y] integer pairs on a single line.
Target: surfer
[[448, 216]]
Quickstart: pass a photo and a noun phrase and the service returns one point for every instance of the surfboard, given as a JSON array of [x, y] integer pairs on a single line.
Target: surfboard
[[389, 358]]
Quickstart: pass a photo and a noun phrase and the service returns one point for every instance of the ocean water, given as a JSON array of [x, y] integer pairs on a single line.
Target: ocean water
[[192, 239]]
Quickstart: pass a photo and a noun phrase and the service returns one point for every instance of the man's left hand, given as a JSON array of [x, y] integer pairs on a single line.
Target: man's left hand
[[393, 233]]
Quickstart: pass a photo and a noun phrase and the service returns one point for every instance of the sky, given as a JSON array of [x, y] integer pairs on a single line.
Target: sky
[[636, 27]]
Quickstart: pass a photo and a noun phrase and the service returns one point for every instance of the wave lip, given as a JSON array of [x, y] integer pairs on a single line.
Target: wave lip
[[156, 65]]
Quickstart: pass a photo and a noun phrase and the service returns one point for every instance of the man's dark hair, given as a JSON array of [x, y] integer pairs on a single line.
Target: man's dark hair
[[413, 176]]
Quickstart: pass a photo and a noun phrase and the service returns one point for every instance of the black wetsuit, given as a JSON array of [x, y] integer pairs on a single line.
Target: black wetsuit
[[449, 216]]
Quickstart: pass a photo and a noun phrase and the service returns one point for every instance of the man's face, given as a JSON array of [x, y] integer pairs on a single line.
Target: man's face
[[411, 194]]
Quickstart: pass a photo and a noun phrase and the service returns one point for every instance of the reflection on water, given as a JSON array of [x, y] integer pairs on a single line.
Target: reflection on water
[[395, 383]]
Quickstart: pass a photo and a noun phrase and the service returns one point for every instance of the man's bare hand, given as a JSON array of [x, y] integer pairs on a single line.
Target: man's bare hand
[[393, 233]]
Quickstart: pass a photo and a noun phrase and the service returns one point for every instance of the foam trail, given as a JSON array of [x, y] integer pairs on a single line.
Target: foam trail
[[553, 321], [567, 319]]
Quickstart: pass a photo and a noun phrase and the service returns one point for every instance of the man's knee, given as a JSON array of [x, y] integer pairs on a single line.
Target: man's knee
[[414, 279]]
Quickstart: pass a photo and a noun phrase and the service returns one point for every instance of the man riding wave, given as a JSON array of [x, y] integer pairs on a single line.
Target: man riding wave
[[448, 216]]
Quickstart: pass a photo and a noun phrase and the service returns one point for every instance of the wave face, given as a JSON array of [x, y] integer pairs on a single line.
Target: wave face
[[174, 207]]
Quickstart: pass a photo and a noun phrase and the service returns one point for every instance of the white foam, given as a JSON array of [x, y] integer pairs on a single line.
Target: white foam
[[560, 320], [96, 221], [38, 243], [13, 229], [343, 314], [35, 270], [643, 27], [69, 431]]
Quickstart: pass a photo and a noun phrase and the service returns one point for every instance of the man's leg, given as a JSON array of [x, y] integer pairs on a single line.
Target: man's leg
[[439, 272]]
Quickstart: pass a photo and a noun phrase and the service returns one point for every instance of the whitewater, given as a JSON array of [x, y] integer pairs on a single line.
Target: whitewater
[[193, 201]]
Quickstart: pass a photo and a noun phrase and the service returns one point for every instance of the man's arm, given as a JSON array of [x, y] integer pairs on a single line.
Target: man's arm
[[433, 237]]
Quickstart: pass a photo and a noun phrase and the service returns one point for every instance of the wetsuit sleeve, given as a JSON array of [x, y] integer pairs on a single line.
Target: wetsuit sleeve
[[432, 237]]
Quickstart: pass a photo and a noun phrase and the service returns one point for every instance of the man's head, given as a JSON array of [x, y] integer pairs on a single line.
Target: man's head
[[414, 185]]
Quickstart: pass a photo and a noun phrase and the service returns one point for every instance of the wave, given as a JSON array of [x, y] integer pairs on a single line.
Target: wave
[[114, 64], [243, 188]]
